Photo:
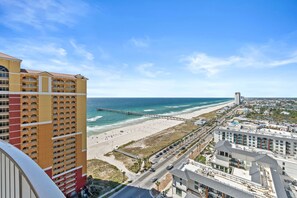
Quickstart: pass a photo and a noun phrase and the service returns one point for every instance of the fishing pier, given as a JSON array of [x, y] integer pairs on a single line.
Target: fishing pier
[[156, 116]]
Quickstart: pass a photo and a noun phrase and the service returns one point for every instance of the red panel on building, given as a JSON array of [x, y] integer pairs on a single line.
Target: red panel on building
[[49, 172], [15, 134], [14, 107], [14, 127], [80, 180], [14, 114], [14, 141], [14, 119]]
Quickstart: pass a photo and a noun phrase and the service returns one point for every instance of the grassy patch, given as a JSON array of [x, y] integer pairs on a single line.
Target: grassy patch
[[127, 144], [130, 163], [201, 159], [208, 116], [157, 142], [105, 175]]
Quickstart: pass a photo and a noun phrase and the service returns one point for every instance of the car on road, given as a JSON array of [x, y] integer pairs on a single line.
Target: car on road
[[157, 156], [154, 179], [152, 170], [183, 148], [169, 167]]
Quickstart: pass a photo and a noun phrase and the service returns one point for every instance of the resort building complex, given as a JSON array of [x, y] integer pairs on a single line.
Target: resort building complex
[[237, 98], [277, 141], [44, 115], [231, 172]]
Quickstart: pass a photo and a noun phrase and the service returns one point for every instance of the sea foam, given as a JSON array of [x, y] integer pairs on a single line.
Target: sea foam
[[148, 110], [94, 119]]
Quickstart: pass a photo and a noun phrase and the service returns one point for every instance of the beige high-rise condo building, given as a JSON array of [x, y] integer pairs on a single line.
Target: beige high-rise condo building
[[44, 115], [237, 98]]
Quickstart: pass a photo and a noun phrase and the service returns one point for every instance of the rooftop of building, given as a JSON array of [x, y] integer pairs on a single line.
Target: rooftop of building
[[257, 151], [53, 74], [37, 72], [235, 181], [251, 128], [8, 57], [261, 177]]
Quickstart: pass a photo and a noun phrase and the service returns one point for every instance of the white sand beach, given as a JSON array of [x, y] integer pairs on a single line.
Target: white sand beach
[[100, 144]]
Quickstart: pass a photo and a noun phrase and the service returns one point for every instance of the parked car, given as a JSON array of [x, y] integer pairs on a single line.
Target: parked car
[[154, 179], [152, 170], [169, 167]]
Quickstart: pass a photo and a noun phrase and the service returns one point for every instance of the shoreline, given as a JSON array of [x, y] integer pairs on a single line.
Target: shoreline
[[97, 130], [104, 142]]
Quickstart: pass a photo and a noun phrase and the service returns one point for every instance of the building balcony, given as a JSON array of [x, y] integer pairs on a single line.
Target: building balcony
[[70, 155], [4, 113], [5, 106], [3, 134], [4, 120], [4, 78], [34, 155], [4, 85], [59, 164], [4, 99], [4, 127], [29, 86], [70, 166], [58, 82], [27, 80]]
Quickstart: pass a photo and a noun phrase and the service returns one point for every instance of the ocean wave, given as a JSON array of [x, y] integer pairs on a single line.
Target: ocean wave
[[148, 110], [177, 106], [94, 119], [99, 129]]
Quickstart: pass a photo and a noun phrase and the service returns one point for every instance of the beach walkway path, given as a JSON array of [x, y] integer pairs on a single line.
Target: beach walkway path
[[127, 154]]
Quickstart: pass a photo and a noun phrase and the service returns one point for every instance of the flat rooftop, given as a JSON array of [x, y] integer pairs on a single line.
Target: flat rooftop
[[262, 151], [263, 131], [239, 179]]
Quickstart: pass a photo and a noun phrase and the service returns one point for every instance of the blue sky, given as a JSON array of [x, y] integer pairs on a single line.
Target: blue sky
[[167, 48]]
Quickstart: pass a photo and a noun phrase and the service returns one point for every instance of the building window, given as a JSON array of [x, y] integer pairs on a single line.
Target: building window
[[179, 192]]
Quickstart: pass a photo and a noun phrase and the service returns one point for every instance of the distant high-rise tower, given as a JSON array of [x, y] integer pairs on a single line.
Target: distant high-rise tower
[[237, 98], [44, 115]]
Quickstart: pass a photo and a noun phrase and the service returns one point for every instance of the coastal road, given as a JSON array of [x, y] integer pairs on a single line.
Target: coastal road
[[142, 185]]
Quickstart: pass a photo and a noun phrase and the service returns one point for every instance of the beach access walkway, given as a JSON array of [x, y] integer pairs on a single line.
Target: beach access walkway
[[127, 154], [157, 116]]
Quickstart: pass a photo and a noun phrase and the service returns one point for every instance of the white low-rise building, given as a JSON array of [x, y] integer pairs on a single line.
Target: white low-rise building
[[247, 174], [277, 141]]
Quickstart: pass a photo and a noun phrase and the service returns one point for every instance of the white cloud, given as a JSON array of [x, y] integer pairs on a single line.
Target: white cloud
[[80, 49], [252, 56], [40, 14], [140, 42], [201, 62], [148, 70]]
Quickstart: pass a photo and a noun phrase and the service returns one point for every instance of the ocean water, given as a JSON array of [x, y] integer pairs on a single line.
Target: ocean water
[[100, 121]]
